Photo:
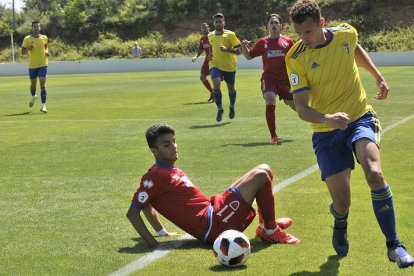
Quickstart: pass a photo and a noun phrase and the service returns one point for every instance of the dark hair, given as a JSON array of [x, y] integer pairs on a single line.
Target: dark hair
[[304, 9], [35, 22], [218, 15], [205, 24], [155, 131], [279, 18]]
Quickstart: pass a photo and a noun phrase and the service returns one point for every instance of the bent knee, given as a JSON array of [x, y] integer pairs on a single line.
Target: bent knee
[[265, 169], [342, 207], [375, 178]]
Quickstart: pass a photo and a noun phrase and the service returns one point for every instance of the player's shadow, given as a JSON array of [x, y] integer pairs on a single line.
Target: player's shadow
[[141, 247], [220, 268], [257, 244], [20, 114], [197, 103], [210, 126], [331, 267], [259, 144]]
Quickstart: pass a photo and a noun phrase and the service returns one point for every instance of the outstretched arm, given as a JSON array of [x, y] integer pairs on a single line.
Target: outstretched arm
[[362, 58], [236, 50], [134, 216], [245, 49], [47, 50], [152, 216], [199, 51]]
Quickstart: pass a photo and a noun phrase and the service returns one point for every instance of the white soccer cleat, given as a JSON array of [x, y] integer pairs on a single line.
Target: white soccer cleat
[[43, 109], [32, 101]]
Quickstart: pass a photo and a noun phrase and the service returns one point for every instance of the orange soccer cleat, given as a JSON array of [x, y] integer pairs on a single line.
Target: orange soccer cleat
[[274, 140], [278, 236], [283, 223]]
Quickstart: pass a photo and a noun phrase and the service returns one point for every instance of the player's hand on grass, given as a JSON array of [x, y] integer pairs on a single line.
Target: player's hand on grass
[[167, 234], [163, 232], [382, 89]]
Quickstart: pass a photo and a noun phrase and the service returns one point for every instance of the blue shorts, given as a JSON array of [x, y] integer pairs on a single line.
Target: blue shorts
[[38, 72], [334, 149], [228, 77]]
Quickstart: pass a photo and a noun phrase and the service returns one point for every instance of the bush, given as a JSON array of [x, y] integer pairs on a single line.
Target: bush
[[152, 45], [399, 40], [106, 47], [188, 45], [60, 51]]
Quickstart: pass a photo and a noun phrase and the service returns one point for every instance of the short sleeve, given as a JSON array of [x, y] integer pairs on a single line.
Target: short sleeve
[[296, 73]]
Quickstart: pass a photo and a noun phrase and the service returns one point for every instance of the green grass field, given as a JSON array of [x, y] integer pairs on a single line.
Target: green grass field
[[67, 176]]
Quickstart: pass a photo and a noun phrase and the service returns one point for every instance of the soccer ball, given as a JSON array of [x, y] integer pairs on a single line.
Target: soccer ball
[[231, 248]]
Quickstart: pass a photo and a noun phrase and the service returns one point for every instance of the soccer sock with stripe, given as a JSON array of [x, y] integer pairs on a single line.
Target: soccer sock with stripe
[[383, 206], [208, 86], [341, 221], [33, 91], [271, 119], [43, 94], [217, 98], [266, 203]]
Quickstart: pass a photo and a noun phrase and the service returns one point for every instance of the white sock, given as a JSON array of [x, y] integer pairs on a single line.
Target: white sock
[[270, 231]]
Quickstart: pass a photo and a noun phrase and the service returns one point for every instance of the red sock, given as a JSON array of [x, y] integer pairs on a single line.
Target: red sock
[[271, 119], [260, 216], [266, 203], [208, 86]]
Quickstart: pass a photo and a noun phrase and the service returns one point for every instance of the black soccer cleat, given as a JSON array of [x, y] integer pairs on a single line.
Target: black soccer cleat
[[340, 241]]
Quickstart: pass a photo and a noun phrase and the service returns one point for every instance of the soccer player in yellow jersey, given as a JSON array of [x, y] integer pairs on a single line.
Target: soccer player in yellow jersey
[[36, 47], [225, 46], [327, 92]]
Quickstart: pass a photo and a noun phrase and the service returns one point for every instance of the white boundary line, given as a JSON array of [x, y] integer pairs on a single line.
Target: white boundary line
[[159, 253], [151, 257]]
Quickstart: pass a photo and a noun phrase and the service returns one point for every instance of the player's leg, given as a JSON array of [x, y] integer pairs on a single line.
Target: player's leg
[[336, 162], [252, 181], [230, 79], [43, 92], [340, 191], [368, 155], [33, 85], [207, 84], [282, 90], [232, 97], [216, 76], [203, 77], [257, 184], [270, 100]]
